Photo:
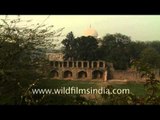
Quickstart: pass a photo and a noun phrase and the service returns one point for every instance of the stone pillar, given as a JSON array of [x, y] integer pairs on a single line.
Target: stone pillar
[[89, 74], [92, 64], [87, 64], [105, 76], [104, 64], [98, 64], [60, 73], [77, 64], [62, 64], [82, 62], [72, 64], [95, 62]]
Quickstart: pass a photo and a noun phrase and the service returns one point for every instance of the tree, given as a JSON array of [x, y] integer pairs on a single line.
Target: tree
[[86, 48], [136, 47], [155, 45], [69, 46], [22, 51], [81, 48], [151, 57], [115, 48]]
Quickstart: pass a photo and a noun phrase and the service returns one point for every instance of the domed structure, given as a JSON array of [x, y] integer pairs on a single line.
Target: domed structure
[[91, 32]]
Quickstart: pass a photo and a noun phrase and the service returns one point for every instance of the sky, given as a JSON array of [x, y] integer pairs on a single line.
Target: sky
[[138, 27]]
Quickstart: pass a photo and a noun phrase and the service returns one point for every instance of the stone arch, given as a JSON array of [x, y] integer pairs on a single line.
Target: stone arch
[[54, 73], [67, 74], [82, 74], [97, 74], [94, 64], [101, 64]]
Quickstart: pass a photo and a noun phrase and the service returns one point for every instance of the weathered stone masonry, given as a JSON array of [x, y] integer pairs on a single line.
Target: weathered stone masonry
[[79, 70]]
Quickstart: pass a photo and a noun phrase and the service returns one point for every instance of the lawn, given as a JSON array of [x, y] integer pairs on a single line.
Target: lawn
[[50, 83], [135, 88], [9, 96]]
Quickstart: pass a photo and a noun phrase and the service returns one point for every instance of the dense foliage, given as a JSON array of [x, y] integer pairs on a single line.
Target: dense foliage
[[81, 48], [116, 48], [22, 55]]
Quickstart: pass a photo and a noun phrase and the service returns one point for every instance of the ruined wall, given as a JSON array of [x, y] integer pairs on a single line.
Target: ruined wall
[[79, 70], [126, 75], [131, 75]]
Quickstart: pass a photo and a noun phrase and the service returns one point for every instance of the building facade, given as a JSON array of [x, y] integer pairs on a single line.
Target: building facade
[[79, 70]]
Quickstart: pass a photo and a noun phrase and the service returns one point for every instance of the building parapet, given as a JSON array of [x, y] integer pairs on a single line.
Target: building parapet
[[78, 64]]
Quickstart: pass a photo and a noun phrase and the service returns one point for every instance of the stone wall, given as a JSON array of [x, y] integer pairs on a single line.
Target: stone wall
[[79, 70], [131, 75], [94, 70], [126, 75]]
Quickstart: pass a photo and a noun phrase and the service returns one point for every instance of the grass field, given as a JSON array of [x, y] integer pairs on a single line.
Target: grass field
[[136, 88], [50, 83], [9, 96]]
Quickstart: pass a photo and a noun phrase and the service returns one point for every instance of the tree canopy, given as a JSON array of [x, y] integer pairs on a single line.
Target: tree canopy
[[116, 50], [22, 53], [81, 48], [151, 57]]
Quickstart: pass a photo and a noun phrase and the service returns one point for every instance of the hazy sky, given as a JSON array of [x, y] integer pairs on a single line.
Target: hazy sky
[[138, 27]]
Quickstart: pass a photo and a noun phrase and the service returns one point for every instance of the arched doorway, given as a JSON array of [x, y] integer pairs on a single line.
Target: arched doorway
[[67, 74], [54, 74], [97, 74], [82, 74]]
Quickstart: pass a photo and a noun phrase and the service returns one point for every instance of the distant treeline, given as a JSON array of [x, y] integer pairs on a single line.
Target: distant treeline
[[116, 48]]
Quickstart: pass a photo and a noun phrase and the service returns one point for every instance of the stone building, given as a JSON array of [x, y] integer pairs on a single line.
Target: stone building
[[91, 32], [79, 70], [89, 70]]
